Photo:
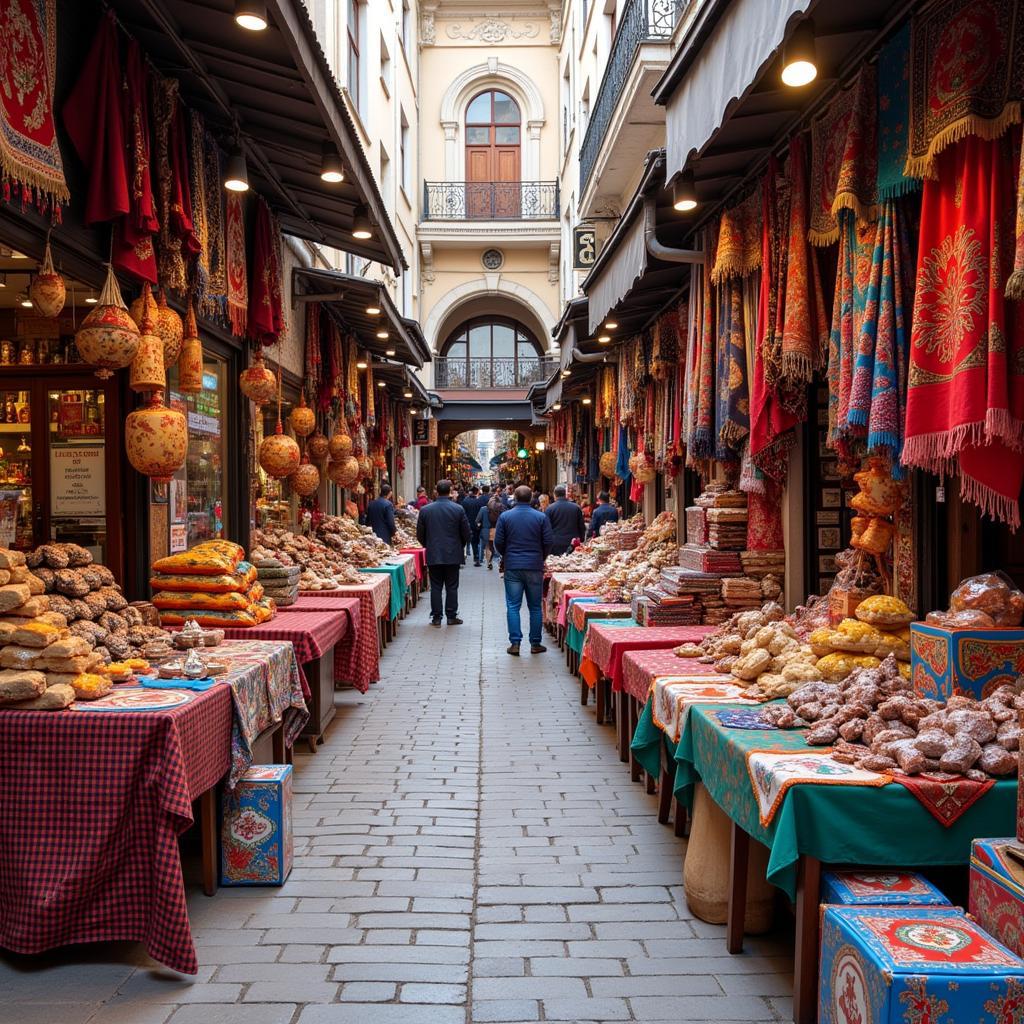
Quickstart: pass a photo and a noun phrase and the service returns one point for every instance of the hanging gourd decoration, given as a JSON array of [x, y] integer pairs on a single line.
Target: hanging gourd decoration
[[156, 439], [302, 419], [279, 453], [318, 447], [365, 467], [607, 464], [306, 479], [340, 444], [380, 462], [642, 470], [108, 338], [190, 363], [257, 382], [147, 371], [47, 290], [344, 472], [169, 329]]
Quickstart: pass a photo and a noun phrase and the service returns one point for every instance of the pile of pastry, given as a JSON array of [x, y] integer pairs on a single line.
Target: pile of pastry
[[323, 568]]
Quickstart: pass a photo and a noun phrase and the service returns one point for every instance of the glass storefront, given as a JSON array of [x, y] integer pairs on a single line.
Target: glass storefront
[[16, 470]]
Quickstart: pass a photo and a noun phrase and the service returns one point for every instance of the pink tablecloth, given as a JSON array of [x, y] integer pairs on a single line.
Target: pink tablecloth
[[641, 668], [605, 645], [408, 562], [557, 597], [584, 610], [420, 555]]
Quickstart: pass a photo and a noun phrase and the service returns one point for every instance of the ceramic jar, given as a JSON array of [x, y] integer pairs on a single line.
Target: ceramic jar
[[190, 362], [147, 371]]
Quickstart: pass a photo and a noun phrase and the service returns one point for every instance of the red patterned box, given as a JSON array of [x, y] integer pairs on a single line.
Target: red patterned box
[[997, 890], [256, 843], [972, 662]]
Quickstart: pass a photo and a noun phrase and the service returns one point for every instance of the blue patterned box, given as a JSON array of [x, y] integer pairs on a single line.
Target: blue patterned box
[[972, 662], [864, 888], [997, 891], [256, 844], [892, 965]]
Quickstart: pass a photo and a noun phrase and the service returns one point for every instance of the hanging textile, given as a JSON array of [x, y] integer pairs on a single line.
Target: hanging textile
[[622, 470], [197, 188], [966, 76], [266, 318], [738, 252], [92, 113], [702, 443], [133, 236], [844, 159], [236, 270], [733, 411], [966, 392], [893, 114], [170, 256], [312, 354], [181, 185], [1015, 283], [764, 518], [215, 301]]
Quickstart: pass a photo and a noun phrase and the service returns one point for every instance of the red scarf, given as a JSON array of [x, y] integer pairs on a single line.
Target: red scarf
[[238, 276], [266, 316]]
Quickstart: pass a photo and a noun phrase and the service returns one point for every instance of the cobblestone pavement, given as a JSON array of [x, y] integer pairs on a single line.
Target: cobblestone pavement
[[468, 849]]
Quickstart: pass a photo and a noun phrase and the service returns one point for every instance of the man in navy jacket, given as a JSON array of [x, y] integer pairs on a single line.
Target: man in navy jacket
[[604, 513], [523, 539], [443, 529], [380, 515], [566, 518]]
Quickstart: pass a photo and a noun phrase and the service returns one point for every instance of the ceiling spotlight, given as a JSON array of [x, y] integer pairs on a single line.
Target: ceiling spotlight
[[236, 178], [799, 56], [684, 194], [610, 325], [361, 224], [556, 406], [382, 383], [331, 169], [373, 310], [603, 339], [540, 446], [389, 352], [586, 401], [361, 364], [407, 393], [24, 301], [3, 280], [383, 334], [91, 300], [566, 373], [251, 14]]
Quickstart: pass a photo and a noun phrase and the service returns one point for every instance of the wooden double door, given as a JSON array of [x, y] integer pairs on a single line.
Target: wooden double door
[[493, 157]]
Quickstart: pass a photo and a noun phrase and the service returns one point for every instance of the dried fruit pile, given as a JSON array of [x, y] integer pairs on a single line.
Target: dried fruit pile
[[323, 568]]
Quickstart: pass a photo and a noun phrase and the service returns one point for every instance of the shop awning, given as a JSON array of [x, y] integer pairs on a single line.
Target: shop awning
[[399, 381], [348, 297], [278, 89]]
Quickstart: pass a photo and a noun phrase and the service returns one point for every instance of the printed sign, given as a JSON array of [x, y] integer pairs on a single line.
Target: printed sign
[[179, 537], [77, 480], [584, 248], [424, 432]]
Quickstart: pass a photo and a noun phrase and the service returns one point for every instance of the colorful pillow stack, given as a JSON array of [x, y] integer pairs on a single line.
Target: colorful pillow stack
[[211, 584], [279, 581]]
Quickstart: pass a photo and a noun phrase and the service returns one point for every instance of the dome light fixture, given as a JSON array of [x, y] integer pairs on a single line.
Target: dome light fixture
[[799, 56], [24, 301], [373, 310], [361, 228], [586, 400], [331, 169], [556, 406], [610, 325], [236, 176], [389, 352], [91, 300], [251, 15], [407, 393], [361, 364], [540, 446], [603, 339], [382, 383], [684, 193]]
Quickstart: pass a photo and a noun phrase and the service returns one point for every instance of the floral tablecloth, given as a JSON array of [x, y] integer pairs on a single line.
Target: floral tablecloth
[[641, 668], [557, 599], [605, 646]]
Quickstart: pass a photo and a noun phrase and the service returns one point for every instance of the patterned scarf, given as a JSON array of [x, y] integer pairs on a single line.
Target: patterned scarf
[[1015, 283], [312, 353], [702, 444], [965, 400], [170, 260], [844, 159], [893, 112], [197, 185], [966, 76], [733, 413], [217, 279], [236, 270], [739, 240], [266, 316]]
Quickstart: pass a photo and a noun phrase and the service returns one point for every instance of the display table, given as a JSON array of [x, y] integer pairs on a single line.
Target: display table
[[641, 668], [556, 598], [93, 803], [582, 611], [396, 595], [408, 564], [816, 824], [420, 557]]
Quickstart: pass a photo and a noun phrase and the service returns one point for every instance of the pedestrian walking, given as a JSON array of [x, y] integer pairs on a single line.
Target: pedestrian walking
[[489, 516], [604, 513], [471, 506], [421, 497], [566, 518], [523, 538], [380, 515], [443, 529]]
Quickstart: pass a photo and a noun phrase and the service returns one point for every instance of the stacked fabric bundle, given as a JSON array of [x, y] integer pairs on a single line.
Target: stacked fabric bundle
[[727, 528], [710, 560], [741, 592], [763, 563], [280, 582], [696, 525], [720, 496], [211, 584], [663, 609]]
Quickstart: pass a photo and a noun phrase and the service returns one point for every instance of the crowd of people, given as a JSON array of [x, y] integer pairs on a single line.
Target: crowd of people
[[518, 522]]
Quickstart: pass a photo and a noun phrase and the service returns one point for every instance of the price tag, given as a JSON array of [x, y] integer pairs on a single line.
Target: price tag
[[940, 495]]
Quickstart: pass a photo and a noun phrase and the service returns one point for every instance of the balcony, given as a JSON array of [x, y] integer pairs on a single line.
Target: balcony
[[490, 200], [501, 373], [643, 21]]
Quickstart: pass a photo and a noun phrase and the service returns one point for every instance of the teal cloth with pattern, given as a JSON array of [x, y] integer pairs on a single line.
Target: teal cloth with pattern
[[398, 586]]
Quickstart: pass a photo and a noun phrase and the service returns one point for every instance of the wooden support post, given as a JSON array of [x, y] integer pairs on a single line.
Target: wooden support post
[[805, 974], [739, 858], [208, 838]]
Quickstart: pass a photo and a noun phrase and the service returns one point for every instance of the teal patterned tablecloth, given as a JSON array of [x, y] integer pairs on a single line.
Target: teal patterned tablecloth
[[574, 637], [398, 586]]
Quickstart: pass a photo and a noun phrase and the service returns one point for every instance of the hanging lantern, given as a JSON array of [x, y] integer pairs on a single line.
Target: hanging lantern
[[190, 364], [642, 470], [306, 479], [607, 464], [344, 472], [108, 337], [257, 382], [279, 454], [380, 462], [365, 466], [318, 447], [47, 289], [147, 372], [156, 439], [169, 329], [302, 419], [340, 445]]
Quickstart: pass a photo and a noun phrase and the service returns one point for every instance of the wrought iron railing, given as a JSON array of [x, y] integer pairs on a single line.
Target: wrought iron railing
[[499, 372], [490, 200], [642, 21]]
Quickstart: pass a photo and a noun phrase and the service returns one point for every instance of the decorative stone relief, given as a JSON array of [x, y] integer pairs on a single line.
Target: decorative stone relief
[[492, 31], [555, 15], [426, 263], [554, 254], [428, 30]]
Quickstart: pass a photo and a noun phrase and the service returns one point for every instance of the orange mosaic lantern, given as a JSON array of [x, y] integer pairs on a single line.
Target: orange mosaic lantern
[[169, 329], [306, 479], [108, 338], [190, 363], [340, 445], [156, 439], [47, 290], [147, 371], [344, 472], [279, 454], [318, 447], [302, 419], [257, 382]]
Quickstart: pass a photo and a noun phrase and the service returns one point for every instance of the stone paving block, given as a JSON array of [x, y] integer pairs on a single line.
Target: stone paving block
[[238, 1013], [380, 1013], [432, 992], [368, 992], [586, 1009], [487, 1011]]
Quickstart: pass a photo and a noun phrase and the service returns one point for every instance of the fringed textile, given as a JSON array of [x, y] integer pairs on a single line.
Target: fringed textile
[[236, 270], [217, 279], [312, 357], [702, 441], [733, 414], [739, 240], [1015, 282], [170, 259], [893, 115], [764, 518], [197, 185], [266, 316]]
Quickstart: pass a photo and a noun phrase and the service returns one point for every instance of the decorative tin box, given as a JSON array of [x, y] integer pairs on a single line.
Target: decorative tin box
[[864, 888], [973, 662], [891, 965], [256, 844], [997, 891]]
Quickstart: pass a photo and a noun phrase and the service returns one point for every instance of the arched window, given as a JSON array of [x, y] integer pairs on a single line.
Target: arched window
[[493, 127], [490, 352]]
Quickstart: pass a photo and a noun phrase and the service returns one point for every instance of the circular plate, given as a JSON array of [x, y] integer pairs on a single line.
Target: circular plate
[[136, 698]]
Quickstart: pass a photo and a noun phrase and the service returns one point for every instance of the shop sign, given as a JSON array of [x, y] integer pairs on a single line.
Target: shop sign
[[78, 480], [584, 248], [203, 424], [209, 382], [179, 538], [424, 432]]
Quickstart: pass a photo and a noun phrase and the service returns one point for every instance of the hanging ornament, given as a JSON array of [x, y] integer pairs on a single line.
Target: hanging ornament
[[318, 447], [169, 329], [47, 290], [279, 454], [344, 472], [340, 444], [302, 419], [156, 439], [257, 382], [359, 489], [190, 363], [109, 337], [147, 372], [607, 464], [365, 467], [306, 479]]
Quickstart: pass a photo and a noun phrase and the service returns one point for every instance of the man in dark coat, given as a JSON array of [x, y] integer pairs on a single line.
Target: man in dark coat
[[443, 529], [471, 506], [566, 518], [604, 513], [380, 515]]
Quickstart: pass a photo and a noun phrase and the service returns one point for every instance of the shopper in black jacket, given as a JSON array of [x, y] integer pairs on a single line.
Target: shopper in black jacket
[[443, 529], [604, 513], [566, 521]]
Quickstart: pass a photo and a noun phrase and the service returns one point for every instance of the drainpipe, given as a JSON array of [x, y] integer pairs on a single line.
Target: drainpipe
[[663, 252], [594, 357]]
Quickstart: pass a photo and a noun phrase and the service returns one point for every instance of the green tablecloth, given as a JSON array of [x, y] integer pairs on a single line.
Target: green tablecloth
[[398, 586], [860, 825], [575, 638]]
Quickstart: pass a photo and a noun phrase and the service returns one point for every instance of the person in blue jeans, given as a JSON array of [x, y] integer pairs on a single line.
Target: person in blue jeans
[[523, 538]]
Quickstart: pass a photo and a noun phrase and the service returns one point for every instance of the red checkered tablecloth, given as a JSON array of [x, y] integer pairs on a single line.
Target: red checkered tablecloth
[[93, 803], [420, 556], [582, 611], [605, 645], [641, 668]]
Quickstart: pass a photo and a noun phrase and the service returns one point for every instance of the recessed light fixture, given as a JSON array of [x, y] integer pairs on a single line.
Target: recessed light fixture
[[556, 406], [799, 56], [251, 14], [407, 393], [361, 364], [540, 446], [236, 177], [389, 352], [610, 325], [24, 301], [603, 339], [373, 310], [586, 401], [361, 224], [684, 194], [382, 383], [91, 300], [331, 169], [383, 334]]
